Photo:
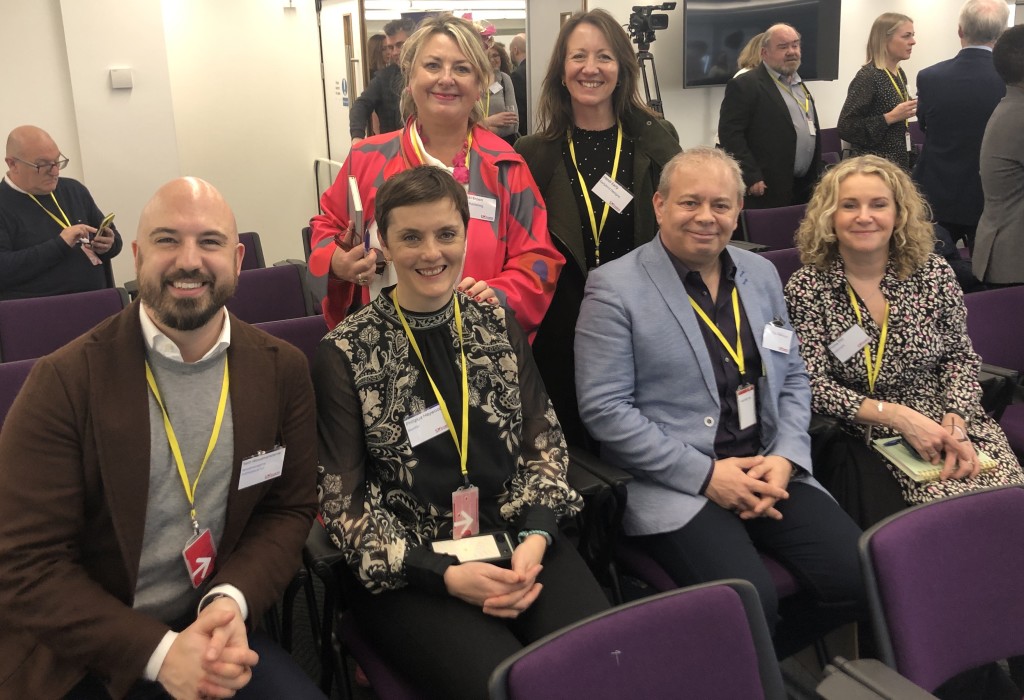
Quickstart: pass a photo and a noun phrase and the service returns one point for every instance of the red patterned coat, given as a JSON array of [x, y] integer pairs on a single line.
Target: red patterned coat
[[513, 253]]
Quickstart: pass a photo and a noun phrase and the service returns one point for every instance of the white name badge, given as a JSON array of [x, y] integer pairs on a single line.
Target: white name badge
[[483, 208], [426, 425], [845, 346], [612, 192], [777, 338], [746, 401], [495, 87], [261, 467], [810, 126], [906, 134]]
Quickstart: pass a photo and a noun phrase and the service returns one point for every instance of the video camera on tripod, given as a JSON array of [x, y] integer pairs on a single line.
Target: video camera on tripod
[[642, 25]]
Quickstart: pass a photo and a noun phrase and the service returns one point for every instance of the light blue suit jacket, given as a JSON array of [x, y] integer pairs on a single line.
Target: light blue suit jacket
[[647, 389]]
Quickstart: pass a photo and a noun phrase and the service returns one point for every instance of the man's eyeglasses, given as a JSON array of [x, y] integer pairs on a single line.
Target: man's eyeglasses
[[46, 167]]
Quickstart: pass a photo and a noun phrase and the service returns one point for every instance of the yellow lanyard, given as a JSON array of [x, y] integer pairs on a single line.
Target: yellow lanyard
[[415, 138], [874, 369], [63, 223], [806, 106], [902, 92], [461, 447], [595, 229], [172, 440], [737, 352]]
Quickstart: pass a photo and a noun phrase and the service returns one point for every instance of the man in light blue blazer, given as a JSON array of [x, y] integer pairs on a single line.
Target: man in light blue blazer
[[689, 375]]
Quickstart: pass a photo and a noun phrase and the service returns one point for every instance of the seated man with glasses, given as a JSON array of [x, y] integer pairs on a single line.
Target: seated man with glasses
[[49, 242]]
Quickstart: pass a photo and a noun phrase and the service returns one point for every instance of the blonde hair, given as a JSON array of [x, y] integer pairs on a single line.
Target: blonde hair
[[913, 237], [466, 37], [750, 56], [884, 26]]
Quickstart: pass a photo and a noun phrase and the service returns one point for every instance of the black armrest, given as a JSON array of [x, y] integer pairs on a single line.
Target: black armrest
[[608, 473], [866, 679], [320, 554], [747, 245], [1000, 386]]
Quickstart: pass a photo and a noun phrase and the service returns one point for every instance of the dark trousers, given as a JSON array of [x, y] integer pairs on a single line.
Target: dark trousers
[[275, 676], [447, 648], [815, 540]]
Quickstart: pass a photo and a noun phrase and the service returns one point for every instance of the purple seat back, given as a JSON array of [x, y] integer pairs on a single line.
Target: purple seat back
[[991, 325], [305, 333], [708, 642], [775, 227], [253, 258], [12, 376], [31, 328], [270, 294], [785, 260], [1012, 423], [944, 581], [830, 141]]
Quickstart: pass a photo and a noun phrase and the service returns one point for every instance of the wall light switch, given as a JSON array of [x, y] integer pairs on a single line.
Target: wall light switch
[[121, 78]]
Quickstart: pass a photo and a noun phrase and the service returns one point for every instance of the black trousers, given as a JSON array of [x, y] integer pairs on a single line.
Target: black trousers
[[448, 648], [815, 540], [275, 676]]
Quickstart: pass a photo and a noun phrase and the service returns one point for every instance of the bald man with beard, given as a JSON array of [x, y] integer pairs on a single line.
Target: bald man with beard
[[49, 242], [157, 479]]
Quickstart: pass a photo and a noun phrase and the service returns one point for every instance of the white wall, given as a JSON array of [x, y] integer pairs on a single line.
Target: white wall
[[228, 90], [694, 112]]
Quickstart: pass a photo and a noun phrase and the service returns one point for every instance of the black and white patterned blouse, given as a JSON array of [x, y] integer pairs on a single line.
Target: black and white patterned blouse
[[862, 121], [929, 363], [384, 500]]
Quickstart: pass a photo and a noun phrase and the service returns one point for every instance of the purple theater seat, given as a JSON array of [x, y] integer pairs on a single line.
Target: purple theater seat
[[943, 583], [305, 332], [31, 328], [708, 641], [12, 376], [775, 227], [785, 260], [271, 294]]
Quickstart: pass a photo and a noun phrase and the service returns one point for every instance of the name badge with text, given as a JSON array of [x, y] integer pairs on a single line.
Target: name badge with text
[[495, 87], [777, 338], [426, 425], [483, 208], [612, 192], [746, 401], [261, 467], [846, 346]]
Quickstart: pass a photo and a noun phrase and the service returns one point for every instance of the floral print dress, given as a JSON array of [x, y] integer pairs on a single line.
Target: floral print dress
[[929, 364]]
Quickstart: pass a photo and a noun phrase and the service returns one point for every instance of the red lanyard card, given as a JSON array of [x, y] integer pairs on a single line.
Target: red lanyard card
[[465, 512], [199, 554]]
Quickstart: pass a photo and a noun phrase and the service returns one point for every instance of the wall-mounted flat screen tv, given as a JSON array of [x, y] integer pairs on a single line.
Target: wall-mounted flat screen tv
[[715, 31]]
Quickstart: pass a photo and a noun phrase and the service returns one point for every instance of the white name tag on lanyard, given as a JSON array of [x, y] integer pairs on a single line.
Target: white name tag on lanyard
[[845, 346], [777, 338], [906, 135], [483, 208], [612, 192], [810, 126], [746, 403], [426, 425], [495, 87], [261, 467]]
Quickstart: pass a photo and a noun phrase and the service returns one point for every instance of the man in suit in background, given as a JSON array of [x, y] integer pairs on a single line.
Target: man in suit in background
[[155, 504], [381, 96], [49, 242], [955, 100], [517, 52], [999, 249], [689, 374], [769, 124]]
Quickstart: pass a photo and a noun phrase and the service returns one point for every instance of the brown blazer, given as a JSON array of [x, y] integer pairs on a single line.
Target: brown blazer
[[74, 474]]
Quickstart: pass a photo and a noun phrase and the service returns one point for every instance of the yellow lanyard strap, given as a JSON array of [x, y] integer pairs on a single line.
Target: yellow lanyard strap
[[172, 440], [595, 229], [874, 369], [737, 352], [65, 223], [461, 447], [902, 92], [806, 106]]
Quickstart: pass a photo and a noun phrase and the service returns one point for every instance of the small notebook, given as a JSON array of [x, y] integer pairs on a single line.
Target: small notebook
[[920, 470], [355, 214]]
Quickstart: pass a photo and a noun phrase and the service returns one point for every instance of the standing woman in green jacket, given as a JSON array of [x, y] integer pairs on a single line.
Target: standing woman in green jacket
[[596, 156]]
